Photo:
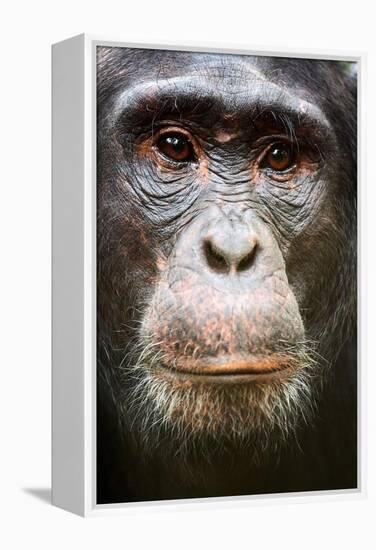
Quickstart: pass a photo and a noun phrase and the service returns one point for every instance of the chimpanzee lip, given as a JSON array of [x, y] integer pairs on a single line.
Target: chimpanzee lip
[[236, 367]]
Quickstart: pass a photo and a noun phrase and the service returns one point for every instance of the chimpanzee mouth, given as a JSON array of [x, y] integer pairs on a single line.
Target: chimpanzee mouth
[[234, 364], [287, 360], [234, 368]]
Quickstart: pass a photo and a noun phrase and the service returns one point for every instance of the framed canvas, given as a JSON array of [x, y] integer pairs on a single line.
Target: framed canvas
[[204, 275]]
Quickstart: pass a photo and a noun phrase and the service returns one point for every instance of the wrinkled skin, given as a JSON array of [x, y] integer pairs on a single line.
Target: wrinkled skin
[[226, 275]]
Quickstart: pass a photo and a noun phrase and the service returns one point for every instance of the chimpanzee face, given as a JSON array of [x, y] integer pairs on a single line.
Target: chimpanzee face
[[223, 188]]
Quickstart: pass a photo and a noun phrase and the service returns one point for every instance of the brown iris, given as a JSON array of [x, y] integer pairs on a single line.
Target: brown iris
[[176, 147], [279, 158]]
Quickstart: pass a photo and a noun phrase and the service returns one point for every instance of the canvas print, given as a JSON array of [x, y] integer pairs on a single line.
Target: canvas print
[[226, 275]]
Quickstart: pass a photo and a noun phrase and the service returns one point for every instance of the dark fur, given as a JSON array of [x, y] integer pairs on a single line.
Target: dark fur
[[321, 452]]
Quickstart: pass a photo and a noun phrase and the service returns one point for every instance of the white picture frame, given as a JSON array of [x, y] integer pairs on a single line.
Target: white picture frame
[[74, 280]]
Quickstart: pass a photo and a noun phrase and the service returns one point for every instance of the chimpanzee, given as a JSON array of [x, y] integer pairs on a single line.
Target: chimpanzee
[[226, 275]]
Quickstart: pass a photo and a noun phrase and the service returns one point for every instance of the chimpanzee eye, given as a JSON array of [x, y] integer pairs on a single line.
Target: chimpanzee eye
[[280, 157], [175, 146]]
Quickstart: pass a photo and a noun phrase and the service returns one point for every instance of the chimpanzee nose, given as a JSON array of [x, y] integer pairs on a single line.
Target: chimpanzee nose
[[230, 247]]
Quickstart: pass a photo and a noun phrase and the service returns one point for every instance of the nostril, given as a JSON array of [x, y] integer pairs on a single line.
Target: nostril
[[246, 262], [215, 259]]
